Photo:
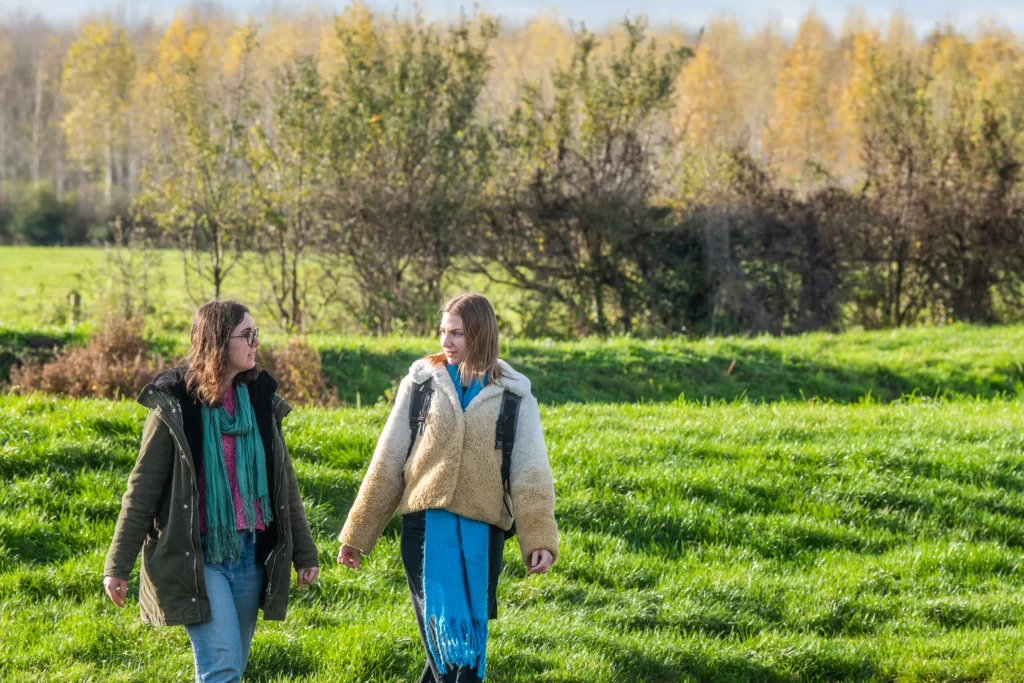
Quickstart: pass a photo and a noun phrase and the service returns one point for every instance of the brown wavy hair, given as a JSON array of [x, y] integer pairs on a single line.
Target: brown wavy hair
[[480, 325], [207, 355]]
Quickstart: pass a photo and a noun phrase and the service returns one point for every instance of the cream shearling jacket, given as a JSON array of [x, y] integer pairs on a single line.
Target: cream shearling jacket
[[454, 465]]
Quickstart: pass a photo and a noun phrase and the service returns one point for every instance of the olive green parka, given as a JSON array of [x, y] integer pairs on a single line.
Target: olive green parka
[[159, 514]]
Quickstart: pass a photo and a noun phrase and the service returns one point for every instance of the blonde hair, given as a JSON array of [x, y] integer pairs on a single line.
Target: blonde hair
[[480, 326], [208, 350]]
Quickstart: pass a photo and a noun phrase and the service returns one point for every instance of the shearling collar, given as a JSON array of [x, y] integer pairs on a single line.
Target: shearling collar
[[515, 382]]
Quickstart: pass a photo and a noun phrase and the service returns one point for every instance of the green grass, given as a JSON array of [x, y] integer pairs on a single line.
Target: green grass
[[954, 360], [35, 283], [726, 542]]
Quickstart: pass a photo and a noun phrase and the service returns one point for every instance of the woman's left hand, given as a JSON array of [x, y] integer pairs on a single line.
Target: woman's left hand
[[540, 562], [307, 576]]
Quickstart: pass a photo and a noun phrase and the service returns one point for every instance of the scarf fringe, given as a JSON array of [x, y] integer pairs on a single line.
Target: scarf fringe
[[457, 643], [221, 545]]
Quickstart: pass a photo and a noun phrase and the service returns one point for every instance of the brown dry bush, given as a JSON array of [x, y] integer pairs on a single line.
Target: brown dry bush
[[114, 364], [299, 373]]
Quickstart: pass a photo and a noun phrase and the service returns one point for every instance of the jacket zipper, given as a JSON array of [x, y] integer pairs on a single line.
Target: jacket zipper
[[272, 563], [192, 515]]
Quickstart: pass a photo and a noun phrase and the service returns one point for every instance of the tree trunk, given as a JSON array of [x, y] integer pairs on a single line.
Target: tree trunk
[[58, 152], [3, 152], [108, 164], [972, 302], [131, 155], [37, 126]]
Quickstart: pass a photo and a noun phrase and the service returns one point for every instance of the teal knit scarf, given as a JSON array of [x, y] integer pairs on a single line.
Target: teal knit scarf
[[250, 469]]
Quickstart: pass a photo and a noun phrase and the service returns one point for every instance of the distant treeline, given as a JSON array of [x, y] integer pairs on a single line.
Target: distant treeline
[[643, 181]]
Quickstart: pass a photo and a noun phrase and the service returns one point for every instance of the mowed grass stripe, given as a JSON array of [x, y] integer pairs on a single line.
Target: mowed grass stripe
[[740, 542]]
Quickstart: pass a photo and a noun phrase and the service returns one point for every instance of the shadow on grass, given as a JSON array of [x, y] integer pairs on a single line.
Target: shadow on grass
[[41, 544], [668, 534], [625, 371], [66, 457], [611, 373], [633, 662]]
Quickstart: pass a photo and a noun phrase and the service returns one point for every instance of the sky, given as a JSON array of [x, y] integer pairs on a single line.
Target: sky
[[924, 14]]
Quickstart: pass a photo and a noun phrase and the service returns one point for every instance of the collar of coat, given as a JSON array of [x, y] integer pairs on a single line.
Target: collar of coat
[[169, 393], [515, 382]]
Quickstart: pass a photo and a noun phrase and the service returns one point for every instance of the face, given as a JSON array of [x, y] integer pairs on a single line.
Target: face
[[453, 338], [241, 356]]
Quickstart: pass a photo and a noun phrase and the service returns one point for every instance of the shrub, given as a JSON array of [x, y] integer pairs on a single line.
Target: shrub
[[114, 364], [299, 372], [118, 362]]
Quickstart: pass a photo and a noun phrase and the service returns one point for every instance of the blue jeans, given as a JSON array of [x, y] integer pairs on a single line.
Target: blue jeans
[[221, 645]]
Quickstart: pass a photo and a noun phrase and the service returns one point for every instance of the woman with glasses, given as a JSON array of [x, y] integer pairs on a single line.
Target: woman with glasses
[[462, 458], [212, 501]]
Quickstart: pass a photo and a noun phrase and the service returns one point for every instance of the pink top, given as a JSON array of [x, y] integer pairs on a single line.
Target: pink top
[[227, 442]]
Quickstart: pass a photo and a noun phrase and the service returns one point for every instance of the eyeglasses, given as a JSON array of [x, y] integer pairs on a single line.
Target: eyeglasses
[[251, 336]]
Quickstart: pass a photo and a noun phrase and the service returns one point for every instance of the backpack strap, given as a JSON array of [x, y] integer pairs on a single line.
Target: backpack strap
[[505, 432], [505, 439], [422, 392]]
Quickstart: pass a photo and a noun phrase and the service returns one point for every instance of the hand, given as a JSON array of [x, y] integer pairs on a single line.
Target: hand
[[307, 576], [116, 588], [349, 556], [540, 562]]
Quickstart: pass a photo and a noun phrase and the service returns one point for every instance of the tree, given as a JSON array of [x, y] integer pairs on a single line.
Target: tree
[[578, 183], [98, 73], [410, 163], [526, 54], [860, 87], [943, 170], [6, 68], [800, 133], [972, 214], [195, 188], [707, 110], [289, 158], [898, 138]]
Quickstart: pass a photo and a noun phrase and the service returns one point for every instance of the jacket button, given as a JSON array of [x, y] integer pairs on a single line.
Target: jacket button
[[187, 553], [193, 599], [280, 507], [185, 506]]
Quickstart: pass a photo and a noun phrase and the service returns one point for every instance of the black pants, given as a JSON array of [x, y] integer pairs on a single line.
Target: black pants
[[413, 527]]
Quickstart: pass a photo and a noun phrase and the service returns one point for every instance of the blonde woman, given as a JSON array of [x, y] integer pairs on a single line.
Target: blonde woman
[[212, 501], [462, 458]]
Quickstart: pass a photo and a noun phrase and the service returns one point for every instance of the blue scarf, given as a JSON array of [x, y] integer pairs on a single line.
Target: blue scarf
[[465, 394], [455, 570], [455, 590]]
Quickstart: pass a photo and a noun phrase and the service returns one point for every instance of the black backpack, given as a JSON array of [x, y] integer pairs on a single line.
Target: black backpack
[[504, 432]]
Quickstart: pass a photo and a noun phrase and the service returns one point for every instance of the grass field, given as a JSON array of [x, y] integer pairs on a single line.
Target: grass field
[[731, 542], [35, 283], [983, 362], [815, 508]]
